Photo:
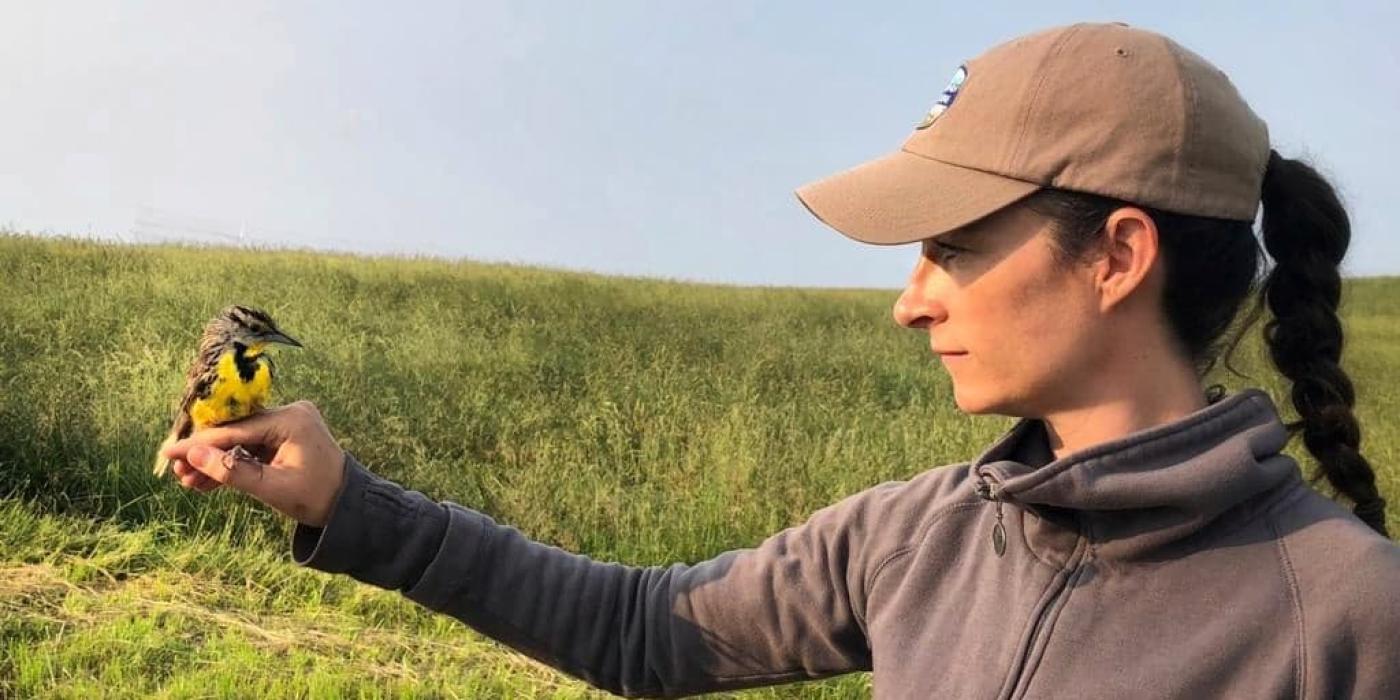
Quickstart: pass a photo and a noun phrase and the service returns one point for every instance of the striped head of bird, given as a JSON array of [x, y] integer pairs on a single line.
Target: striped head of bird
[[246, 326]]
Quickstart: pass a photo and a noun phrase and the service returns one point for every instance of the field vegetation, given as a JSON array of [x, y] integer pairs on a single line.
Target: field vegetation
[[635, 420]]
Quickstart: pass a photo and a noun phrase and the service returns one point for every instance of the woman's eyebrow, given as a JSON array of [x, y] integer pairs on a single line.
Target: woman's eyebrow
[[958, 237]]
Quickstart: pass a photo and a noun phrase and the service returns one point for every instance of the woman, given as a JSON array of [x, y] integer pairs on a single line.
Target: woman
[[1084, 196]]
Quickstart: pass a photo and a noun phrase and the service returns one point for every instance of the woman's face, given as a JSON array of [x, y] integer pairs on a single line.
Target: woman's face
[[1025, 326]]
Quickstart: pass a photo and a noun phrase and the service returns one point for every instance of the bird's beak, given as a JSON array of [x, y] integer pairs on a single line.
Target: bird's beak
[[283, 338]]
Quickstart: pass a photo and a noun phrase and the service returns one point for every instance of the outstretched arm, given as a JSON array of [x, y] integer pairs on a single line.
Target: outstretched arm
[[790, 609]]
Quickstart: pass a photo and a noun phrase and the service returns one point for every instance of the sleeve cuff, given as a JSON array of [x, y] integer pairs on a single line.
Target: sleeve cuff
[[378, 532], [323, 547]]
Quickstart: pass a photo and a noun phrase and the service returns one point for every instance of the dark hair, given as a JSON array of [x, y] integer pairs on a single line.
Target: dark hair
[[1213, 265]]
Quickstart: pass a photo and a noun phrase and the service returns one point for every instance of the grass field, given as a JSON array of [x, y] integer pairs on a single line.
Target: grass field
[[631, 420]]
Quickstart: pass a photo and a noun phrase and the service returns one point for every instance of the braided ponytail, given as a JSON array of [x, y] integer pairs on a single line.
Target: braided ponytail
[[1306, 231]]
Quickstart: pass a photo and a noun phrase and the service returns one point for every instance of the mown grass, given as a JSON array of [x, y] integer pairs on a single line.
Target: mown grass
[[632, 420]]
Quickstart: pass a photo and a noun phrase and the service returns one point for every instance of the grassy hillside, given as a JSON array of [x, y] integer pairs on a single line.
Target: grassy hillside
[[632, 420]]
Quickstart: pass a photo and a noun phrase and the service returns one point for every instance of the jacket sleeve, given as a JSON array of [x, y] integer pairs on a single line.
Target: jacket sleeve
[[790, 609]]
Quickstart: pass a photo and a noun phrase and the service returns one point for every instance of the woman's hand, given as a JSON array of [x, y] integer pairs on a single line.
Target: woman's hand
[[288, 460]]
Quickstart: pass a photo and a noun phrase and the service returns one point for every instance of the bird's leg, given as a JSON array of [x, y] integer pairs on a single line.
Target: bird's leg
[[236, 455]]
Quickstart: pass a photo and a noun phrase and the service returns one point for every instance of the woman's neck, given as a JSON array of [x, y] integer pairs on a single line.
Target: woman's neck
[[1148, 390]]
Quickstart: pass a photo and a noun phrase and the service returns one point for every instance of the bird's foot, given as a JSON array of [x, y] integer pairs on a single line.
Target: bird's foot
[[238, 454]]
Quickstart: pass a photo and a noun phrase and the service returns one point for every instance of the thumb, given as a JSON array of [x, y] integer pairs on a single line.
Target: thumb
[[234, 468]]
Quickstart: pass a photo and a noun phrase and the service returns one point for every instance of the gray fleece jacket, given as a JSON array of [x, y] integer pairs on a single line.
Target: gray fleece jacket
[[1188, 560]]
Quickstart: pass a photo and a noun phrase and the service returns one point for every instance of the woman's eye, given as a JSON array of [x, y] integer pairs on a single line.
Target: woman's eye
[[943, 253]]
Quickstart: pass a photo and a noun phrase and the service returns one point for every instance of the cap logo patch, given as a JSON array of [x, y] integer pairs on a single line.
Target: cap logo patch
[[945, 100]]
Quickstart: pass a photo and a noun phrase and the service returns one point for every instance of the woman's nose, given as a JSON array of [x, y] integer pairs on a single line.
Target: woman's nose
[[917, 306]]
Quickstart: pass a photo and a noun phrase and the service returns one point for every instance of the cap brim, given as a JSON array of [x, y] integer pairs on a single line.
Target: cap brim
[[903, 197]]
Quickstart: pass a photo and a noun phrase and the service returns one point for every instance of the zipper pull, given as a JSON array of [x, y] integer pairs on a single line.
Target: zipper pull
[[989, 489], [999, 534]]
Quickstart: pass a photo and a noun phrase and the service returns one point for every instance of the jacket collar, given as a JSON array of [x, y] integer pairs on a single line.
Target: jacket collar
[[1152, 487]]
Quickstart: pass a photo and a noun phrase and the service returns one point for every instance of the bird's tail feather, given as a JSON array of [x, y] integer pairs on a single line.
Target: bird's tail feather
[[163, 464], [181, 430]]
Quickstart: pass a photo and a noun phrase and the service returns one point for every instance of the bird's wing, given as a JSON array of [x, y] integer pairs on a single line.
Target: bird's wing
[[199, 383]]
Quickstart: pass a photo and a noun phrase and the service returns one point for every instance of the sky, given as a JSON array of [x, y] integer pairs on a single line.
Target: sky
[[661, 139]]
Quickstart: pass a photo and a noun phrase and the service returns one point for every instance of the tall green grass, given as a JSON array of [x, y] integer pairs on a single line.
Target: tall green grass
[[633, 420]]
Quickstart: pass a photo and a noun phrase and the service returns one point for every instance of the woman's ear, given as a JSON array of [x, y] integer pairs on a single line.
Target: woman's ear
[[1130, 255]]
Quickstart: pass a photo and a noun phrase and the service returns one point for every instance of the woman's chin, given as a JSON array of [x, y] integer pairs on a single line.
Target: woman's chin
[[973, 402], [965, 402]]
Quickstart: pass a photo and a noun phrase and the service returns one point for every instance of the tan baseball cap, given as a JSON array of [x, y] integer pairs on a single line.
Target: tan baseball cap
[[1106, 109]]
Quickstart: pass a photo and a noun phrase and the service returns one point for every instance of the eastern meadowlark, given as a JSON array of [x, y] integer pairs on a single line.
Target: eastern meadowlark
[[231, 377]]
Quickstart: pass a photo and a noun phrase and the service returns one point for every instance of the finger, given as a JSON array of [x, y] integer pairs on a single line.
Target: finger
[[204, 484], [192, 478], [264, 429], [189, 480], [227, 468]]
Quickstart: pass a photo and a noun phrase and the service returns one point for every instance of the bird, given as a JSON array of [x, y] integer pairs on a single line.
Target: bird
[[231, 377]]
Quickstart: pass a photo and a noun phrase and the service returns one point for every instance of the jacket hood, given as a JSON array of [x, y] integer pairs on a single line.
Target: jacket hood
[[1153, 487]]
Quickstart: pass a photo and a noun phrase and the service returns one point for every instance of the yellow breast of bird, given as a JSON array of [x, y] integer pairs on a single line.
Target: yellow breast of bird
[[232, 397]]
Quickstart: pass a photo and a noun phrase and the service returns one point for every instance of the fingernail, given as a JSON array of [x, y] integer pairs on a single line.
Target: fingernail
[[197, 454]]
